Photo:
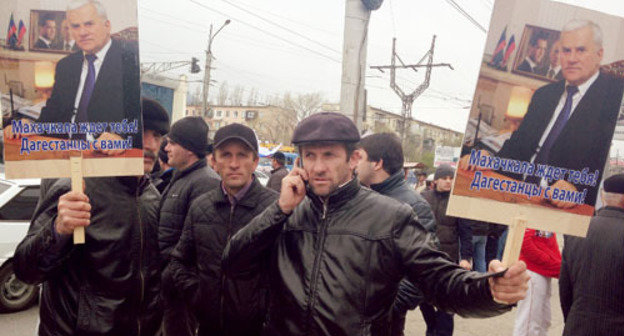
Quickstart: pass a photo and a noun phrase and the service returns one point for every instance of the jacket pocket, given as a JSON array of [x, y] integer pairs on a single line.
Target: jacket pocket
[[96, 313], [380, 327]]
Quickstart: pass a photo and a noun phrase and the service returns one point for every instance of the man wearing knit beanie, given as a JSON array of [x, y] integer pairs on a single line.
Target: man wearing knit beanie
[[192, 178], [455, 239]]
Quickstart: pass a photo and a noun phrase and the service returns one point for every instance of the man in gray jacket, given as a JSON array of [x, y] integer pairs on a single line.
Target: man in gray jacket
[[279, 171]]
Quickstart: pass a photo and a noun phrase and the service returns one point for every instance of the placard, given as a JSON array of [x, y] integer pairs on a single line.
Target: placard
[[70, 87], [547, 100]]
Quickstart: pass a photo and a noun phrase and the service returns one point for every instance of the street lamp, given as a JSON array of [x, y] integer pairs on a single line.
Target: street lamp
[[211, 37]]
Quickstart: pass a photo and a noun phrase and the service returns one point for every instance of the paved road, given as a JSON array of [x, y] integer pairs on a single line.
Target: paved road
[[24, 323]]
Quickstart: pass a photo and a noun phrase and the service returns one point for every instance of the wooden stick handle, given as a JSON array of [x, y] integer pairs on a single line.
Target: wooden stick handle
[[76, 185], [514, 241]]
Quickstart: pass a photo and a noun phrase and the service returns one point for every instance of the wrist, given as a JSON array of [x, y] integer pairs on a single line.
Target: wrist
[[284, 210]]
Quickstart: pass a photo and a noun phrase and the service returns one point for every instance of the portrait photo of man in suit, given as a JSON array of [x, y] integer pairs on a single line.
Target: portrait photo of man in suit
[[570, 123], [553, 69], [98, 83], [532, 63], [47, 32]]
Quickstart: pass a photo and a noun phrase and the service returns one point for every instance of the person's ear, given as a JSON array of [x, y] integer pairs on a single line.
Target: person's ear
[[378, 165]]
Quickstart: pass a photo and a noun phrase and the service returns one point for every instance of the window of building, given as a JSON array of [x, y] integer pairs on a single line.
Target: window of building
[[235, 114], [227, 114], [218, 113]]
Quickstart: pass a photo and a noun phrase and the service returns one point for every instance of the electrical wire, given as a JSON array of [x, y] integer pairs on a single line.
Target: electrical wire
[[466, 15]]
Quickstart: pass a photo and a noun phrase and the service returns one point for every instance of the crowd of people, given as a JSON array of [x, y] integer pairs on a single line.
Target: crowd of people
[[339, 245]]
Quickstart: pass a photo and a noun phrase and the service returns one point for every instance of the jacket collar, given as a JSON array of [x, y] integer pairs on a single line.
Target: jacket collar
[[249, 199], [280, 168], [178, 174], [608, 209], [337, 198], [391, 183]]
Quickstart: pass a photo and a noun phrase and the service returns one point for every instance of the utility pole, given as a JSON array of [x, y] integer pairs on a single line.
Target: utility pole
[[357, 16], [209, 57], [408, 99]]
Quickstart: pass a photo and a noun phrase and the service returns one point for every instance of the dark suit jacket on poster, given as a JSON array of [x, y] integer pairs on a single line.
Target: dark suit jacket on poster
[[590, 281], [116, 95], [526, 67], [40, 44], [586, 138]]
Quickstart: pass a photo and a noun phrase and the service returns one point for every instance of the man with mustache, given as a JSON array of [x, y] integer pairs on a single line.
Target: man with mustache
[[109, 286], [192, 178]]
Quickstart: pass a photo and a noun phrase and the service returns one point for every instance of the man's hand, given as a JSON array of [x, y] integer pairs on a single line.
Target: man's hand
[[563, 185], [110, 136], [8, 130], [511, 287], [464, 162], [465, 264], [293, 189], [74, 210]]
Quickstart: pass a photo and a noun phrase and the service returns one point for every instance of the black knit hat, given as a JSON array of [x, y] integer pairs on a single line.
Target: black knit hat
[[162, 154], [443, 171], [325, 126], [155, 117], [190, 133], [614, 184], [236, 131]]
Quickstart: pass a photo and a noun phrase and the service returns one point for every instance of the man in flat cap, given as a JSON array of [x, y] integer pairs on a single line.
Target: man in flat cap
[[225, 306], [590, 280], [192, 178], [337, 251]]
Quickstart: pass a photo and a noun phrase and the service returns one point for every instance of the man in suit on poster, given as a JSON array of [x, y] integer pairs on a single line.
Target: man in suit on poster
[[537, 49], [99, 83], [47, 33], [569, 124]]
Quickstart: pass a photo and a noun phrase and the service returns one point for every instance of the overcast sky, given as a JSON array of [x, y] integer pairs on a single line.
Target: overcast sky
[[295, 46]]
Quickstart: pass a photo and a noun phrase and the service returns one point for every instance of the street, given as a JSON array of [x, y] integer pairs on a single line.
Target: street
[[24, 323]]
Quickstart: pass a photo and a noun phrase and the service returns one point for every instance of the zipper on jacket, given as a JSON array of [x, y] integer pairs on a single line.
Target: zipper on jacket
[[141, 275], [221, 294], [317, 261]]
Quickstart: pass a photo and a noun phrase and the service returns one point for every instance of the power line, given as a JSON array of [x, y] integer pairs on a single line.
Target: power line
[[281, 27], [465, 14], [269, 33]]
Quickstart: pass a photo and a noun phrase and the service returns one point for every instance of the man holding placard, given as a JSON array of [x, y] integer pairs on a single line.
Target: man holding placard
[[110, 285]]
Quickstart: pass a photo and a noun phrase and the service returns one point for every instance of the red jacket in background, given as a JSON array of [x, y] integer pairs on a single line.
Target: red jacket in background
[[541, 253]]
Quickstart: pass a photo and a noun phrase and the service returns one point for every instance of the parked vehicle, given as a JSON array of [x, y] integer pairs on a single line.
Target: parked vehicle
[[18, 199]]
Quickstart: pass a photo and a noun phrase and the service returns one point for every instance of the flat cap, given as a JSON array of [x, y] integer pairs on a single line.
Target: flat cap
[[236, 131], [326, 126], [155, 117], [614, 184]]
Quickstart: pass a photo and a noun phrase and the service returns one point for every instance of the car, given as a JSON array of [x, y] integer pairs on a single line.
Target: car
[[262, 177], [18, 199]]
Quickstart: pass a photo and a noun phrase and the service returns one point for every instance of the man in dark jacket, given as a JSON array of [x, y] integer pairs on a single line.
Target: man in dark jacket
[[279, 171], [338, 250], [381, 168], [590, 280], [110, 285], [224, 305], [186, 152], [455, 239]]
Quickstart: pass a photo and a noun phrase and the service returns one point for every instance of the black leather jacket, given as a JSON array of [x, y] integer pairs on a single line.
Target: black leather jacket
[[335, 265], [224, 306], [111, 284]]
